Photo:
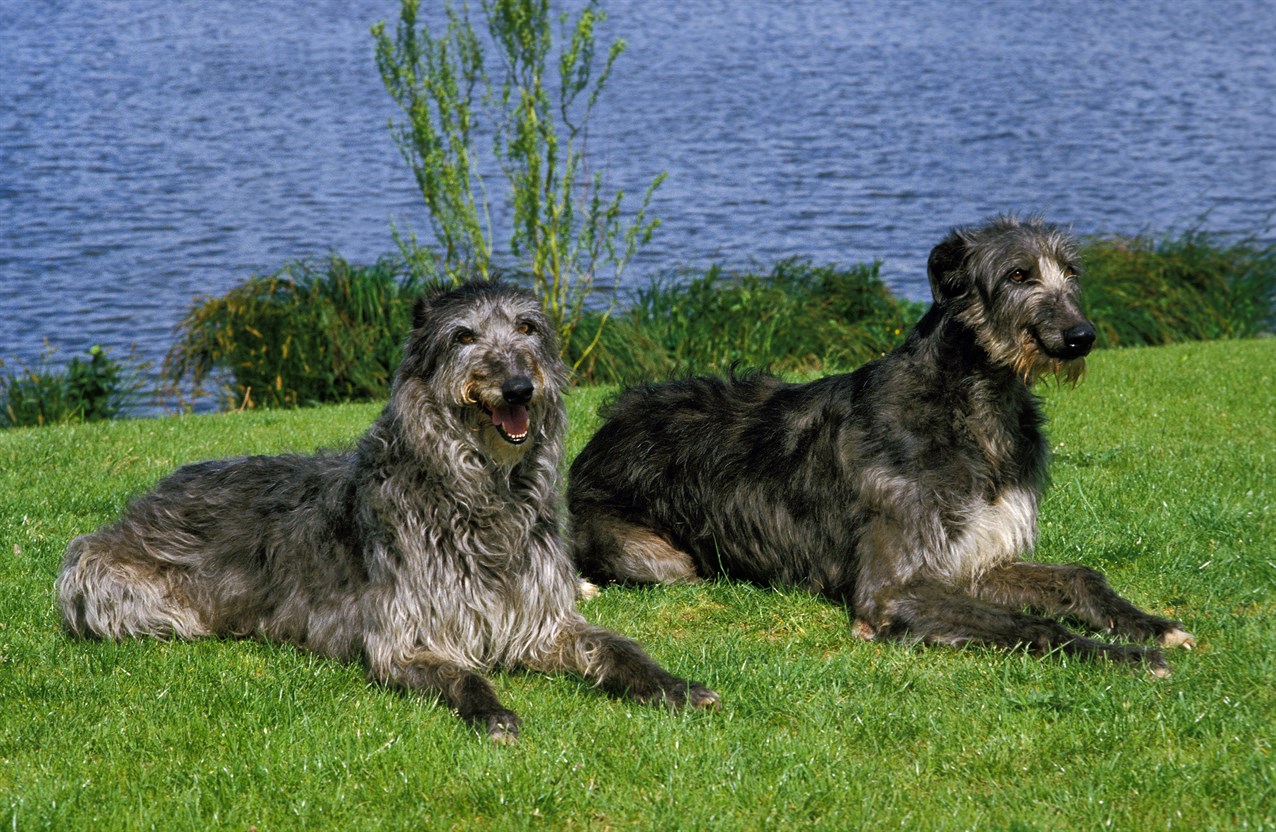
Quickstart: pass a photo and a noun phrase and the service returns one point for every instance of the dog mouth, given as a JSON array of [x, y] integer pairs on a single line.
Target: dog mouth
[[1053, 353], [1035, 360], [510, 421], [1058, 351]]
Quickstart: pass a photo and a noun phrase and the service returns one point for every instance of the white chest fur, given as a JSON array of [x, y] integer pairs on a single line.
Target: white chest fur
[[994, 532]]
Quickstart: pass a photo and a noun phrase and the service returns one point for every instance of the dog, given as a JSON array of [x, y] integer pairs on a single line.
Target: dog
[[907, 490], [431, 552]]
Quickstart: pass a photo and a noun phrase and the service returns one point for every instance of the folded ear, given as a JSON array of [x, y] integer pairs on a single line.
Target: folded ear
[[421, 309], [944, 268], [428, 301]]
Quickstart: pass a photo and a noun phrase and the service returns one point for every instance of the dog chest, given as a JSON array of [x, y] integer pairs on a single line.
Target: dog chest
[[993, 532], [478, 601], [930, 527]]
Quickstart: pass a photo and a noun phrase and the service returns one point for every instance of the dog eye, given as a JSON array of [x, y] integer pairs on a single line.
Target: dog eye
[[1018, 275], [526, 328], [464, 336]]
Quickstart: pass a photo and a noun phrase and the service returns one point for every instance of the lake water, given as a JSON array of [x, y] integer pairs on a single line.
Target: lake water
[[150, 152]]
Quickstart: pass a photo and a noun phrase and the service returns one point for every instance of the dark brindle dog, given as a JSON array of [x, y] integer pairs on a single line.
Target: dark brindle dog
[[906, 490], [431, 552]]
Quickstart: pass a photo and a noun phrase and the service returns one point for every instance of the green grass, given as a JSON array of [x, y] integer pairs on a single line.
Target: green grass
[[1163, 478]]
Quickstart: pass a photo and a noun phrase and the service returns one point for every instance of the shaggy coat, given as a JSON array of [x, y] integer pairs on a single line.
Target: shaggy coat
[[906, 490], [429, 553]]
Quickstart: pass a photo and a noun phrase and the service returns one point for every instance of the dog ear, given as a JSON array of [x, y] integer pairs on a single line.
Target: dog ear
[[420, 310], [429, 300], [945, 265]]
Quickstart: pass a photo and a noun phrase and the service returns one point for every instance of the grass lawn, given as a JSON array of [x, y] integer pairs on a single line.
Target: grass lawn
[[1163, 479]]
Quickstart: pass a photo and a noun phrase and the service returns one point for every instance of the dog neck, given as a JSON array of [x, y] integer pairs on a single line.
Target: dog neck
[[952, 347], [992, 403]]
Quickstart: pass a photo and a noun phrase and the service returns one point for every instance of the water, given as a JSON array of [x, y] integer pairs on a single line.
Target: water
[[153, 152]]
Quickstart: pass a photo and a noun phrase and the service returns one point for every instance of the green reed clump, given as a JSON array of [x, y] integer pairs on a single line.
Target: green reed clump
[[332, 332], [82, 391], [800, 317], [1191, 287], [306, 334], [796, 317]]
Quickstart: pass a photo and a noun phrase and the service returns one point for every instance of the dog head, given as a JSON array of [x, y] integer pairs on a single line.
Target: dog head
[[485, 355], [1016, 284]]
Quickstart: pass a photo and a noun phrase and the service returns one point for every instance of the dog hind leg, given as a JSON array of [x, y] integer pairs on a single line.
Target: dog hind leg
[[106, 592], [1080, 592], [938, 614], [609, 549]]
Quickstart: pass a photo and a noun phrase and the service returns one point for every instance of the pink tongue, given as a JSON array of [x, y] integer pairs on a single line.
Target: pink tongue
[[512, 420]]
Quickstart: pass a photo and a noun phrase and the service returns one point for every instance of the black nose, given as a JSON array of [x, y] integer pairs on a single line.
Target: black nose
[[517, 390], [1079, 339]]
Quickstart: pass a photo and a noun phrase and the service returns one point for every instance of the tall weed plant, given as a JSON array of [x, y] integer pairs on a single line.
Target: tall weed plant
[[527, 83], [306, 334]]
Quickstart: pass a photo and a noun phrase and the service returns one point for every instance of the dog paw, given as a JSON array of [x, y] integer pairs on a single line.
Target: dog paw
[[700, 697], [1177, 637], [502, 729], [675, 693], [861, 629], [1156, 664], [585, 590]]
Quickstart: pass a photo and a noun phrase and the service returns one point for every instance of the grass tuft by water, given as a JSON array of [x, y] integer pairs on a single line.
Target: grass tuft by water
[[309, 333]]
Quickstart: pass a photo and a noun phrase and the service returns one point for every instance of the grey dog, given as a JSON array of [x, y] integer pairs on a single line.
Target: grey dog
[[430, 552], [906, 490]]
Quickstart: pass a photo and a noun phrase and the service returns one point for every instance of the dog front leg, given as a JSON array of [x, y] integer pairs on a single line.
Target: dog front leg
[[620, 666], [1079, 592], [939, 614], [463, 690]]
